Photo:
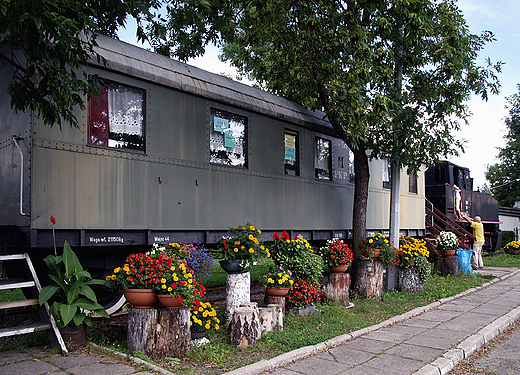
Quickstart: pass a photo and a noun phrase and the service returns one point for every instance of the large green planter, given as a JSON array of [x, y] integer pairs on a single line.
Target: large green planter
[[231, 267]]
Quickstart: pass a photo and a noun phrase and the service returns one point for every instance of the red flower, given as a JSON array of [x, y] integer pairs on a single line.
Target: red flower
[[53, 220], [183, 283], [225, 245], [296, 236], [276, 236], [179, 299], [285, 236]]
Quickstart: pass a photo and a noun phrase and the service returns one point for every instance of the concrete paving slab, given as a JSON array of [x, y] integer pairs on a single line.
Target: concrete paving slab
[[27, 367], [440, 315], [395, 334], [387, 361], [431, 342], [366, 370], [102, 368], [74, 360], [346, 355], [419, 353], [12, 356], [418, 322], [315, 365], [367, 345]]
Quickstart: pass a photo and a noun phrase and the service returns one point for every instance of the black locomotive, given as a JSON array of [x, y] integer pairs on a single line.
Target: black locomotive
[[440, 182]]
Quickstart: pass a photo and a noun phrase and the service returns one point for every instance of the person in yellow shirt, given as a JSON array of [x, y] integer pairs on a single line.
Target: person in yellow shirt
[[478, 232]]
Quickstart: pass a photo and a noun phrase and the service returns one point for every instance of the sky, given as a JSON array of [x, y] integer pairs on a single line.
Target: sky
[[486, 129]]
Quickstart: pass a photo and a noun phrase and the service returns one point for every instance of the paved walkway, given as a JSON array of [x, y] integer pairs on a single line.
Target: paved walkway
[[429, 340]]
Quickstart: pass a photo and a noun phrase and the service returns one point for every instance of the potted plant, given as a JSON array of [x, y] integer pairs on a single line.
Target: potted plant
[[137, 278], [176, 285], [277, 281], [203, 317], [413, 260], [447, 243], [337, 255], [371, 246], [73, 300], [512, 247], [236, 251]]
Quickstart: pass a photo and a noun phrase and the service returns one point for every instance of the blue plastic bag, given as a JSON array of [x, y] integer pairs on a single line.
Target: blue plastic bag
[[465, 261]]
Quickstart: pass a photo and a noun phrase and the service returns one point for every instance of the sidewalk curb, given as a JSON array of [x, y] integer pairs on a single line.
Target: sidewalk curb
[[440, 366], [465, 348]]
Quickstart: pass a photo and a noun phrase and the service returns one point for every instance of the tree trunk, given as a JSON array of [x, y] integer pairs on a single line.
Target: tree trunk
[[369, 279], [238, 291], [337, 289], [244, 327], [447, 266], [160, 333]]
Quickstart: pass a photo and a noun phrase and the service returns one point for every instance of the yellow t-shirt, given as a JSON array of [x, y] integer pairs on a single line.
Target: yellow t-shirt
[[478, 231]]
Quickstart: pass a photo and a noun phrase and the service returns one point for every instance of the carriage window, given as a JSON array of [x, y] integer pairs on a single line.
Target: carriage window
[[291, 160], [228, 138], [387, 174], [412, 183], [322, 159], [116, 117]]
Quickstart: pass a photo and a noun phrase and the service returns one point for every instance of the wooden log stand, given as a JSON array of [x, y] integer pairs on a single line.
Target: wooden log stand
[[160, 333], [447, 265], [273, 300], [238, 292], [369, 279], [337, 289], [245, 326]]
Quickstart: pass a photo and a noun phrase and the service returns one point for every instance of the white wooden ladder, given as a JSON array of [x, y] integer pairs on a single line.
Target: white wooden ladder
[[34, 283]]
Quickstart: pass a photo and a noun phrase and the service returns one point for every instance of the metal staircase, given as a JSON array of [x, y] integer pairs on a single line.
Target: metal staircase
[[7, 284], [436, 221]]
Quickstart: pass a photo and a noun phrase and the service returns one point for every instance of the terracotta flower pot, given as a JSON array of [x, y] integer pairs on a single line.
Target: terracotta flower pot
[[447, 254], [338, 269], [277, 292], [74, 337], [140, 298], [376, 252], [169, 302]]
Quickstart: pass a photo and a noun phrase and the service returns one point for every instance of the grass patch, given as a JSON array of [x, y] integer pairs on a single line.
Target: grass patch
[[329, 321], [502, 260]]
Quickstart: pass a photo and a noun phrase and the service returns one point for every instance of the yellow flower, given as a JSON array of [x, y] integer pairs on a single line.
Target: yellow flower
[[251, 251], [251, 237], [170, 289], [235, 250], [237, 243], [217, 326], [259, 231], [370, 241], [163, 280], [251, 228], [117, 269], [163, 286]]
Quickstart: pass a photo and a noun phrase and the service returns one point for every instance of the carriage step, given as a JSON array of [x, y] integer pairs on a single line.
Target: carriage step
[[7, 284], [22, 330], [21, 303], [16, 285]]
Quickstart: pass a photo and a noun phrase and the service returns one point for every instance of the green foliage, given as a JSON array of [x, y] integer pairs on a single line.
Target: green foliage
[[388, 256], [505, 175], [242, 244], [72, 288], [423, 268], [503, 260], [508, 236], [46, 42]]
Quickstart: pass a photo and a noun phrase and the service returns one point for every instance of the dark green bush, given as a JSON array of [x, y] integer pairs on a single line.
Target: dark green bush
[[507, 236]]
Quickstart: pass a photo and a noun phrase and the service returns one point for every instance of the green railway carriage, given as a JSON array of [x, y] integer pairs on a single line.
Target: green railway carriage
[[171, 153]]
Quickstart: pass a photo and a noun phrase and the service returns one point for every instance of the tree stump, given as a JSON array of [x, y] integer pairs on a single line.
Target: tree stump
[[337, 289], [238, 291], [244, 327], [278, 314], [266, 319], [447, 266], [273, 300], [409, 281], [160, 333], [369, 279], [254, 306]]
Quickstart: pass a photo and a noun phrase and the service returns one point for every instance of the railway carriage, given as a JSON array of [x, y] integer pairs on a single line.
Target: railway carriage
[[170, 153]]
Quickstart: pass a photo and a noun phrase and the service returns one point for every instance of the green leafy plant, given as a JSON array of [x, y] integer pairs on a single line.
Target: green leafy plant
[[204, 317], [411, 249], [75, 298], [447, 241], [243, 244], [277, 277], [337, 253], [389, 256]]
